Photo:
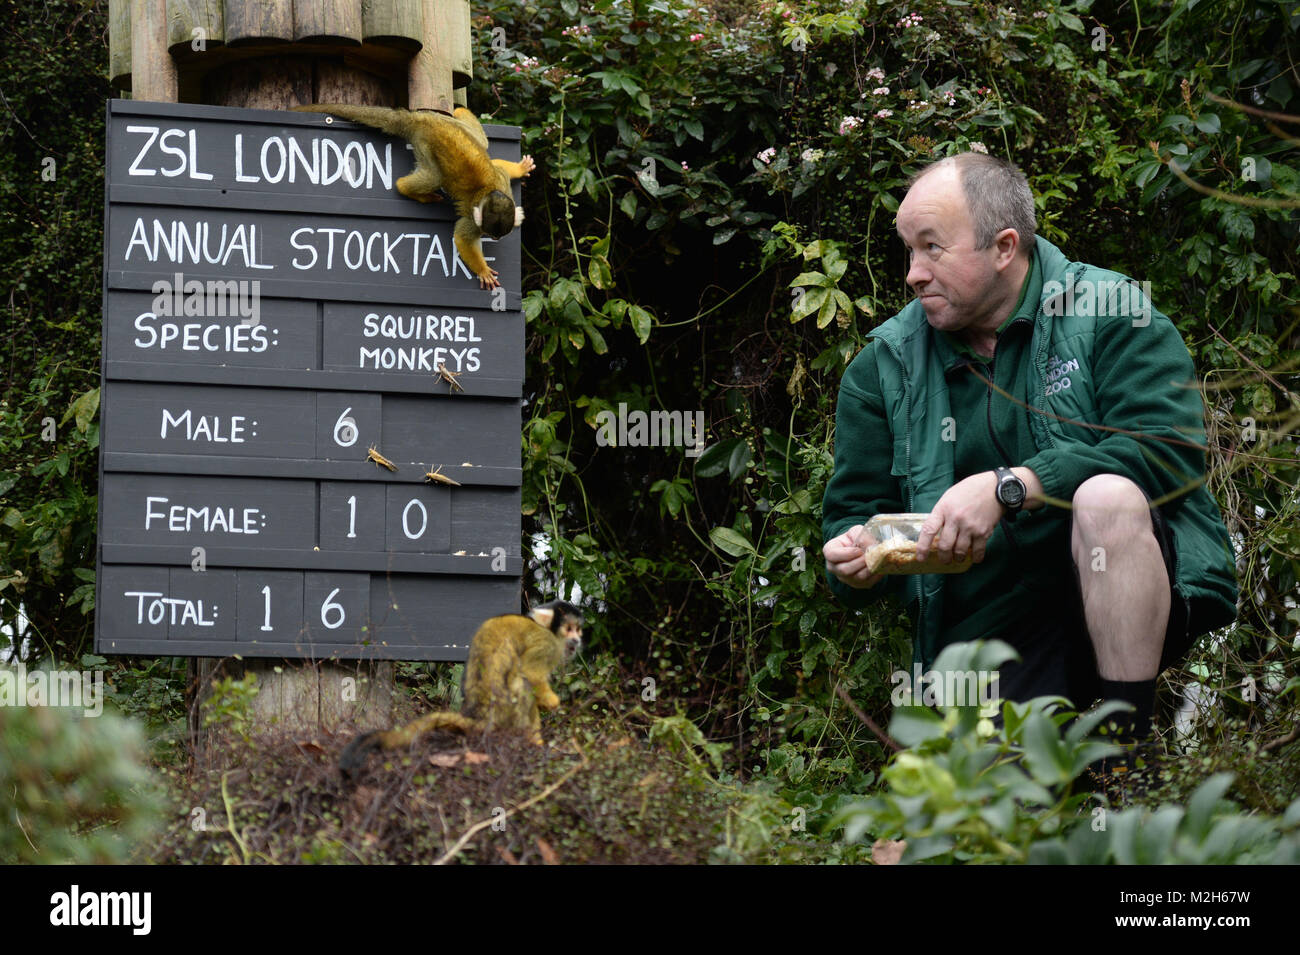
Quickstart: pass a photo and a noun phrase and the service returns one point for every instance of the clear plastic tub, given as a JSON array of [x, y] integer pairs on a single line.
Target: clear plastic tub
[[888, 543]]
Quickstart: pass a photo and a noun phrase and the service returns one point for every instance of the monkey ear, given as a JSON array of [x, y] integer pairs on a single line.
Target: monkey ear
[[478, 216], [543, 615], [519, 216]]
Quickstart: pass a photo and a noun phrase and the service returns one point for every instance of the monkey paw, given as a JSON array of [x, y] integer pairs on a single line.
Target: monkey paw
[[526, 165], [548, 701], [488, 278]]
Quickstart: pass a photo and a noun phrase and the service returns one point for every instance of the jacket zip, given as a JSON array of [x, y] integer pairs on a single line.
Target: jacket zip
[[988, 416], [917, 649]]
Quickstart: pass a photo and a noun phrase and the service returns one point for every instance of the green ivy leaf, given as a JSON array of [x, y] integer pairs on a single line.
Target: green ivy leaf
[[727, 540], [810, 303], [641, 322], [815, 279], [913, 725], [739, 459], [599, 273], [83, 409], [1043, 755], [716, 457], [597, 339], [1200, 808]]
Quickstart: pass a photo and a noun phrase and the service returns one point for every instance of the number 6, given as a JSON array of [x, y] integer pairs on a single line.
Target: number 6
[[329, 605], [345, 430]]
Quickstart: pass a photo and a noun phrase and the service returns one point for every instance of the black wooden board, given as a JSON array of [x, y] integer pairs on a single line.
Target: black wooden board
[[278, 320]]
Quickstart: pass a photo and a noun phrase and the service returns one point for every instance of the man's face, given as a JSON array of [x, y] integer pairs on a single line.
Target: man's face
[[958, 285]]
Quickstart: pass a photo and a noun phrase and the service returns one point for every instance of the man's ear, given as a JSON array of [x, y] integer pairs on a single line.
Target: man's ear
[[1007, 242]]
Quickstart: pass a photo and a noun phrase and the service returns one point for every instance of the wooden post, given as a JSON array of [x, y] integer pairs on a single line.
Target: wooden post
[[153, 76], [272, 55], [431, 80], [293, 695]]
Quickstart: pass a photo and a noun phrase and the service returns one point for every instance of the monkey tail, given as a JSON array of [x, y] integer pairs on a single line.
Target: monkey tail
[[354, 754], [395, 121]]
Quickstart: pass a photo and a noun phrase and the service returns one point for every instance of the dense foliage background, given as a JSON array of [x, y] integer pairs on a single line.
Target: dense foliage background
[[710, 228]]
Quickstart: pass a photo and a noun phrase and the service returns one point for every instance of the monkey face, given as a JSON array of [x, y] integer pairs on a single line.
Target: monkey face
[[565, 621], [497, 215], [571, 631]]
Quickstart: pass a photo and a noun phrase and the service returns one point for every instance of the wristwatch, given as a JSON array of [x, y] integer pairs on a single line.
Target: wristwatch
[[1011, 491]]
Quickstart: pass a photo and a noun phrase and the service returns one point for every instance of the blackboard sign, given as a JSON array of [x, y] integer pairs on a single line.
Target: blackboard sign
[[310, 410]]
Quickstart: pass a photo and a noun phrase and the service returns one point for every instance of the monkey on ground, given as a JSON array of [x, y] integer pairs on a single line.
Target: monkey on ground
[[451, 153], [507, 681]]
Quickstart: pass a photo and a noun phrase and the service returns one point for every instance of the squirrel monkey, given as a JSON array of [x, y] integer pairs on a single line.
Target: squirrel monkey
[[451, 153], [507, 680]]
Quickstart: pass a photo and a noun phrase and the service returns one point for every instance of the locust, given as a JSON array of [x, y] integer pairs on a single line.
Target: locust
[[437, 475], [450, 377], [374, 455]]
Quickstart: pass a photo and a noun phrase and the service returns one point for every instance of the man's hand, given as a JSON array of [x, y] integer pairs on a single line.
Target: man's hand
[[844, 559], [963, 520]]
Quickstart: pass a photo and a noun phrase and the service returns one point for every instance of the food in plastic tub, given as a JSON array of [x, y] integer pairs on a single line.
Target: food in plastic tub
[[888, 543]]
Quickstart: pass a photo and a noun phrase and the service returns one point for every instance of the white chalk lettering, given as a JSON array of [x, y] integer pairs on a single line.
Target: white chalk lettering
[[182, 243], [205, 427], [217, 337], [181, 519]]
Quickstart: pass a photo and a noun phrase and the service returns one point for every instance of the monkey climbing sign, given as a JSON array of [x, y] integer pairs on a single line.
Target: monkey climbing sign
[[279, 317]]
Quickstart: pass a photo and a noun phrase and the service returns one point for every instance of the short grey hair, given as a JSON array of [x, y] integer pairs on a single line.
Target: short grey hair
[[997, 195]]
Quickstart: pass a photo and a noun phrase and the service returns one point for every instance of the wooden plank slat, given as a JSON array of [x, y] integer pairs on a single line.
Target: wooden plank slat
[[184, 17], [395, 23], [335, 22], [258, 21]]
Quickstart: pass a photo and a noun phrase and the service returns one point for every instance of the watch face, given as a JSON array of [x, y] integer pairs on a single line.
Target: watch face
[[1011, 493]]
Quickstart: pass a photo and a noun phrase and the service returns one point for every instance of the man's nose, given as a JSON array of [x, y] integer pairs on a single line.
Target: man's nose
[[918, 276]]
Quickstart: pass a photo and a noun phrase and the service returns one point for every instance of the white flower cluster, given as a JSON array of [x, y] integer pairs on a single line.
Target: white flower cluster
[[580, 29], [910, 20], [877, 74], [849, 123], [880, 91], [979, 148], [884, 113], [767, 155]]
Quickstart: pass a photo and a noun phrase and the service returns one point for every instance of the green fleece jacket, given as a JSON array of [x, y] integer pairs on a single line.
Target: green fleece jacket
[[1099, 382]]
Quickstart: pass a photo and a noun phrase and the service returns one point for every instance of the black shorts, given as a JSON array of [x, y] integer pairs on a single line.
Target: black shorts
[[1056, 655]]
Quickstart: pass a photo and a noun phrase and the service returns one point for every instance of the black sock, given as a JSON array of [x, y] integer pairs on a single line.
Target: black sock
[[1130, 727]]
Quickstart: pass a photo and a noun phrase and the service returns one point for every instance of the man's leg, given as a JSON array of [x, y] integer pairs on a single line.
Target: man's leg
[[1124, 587], [1122, 577]]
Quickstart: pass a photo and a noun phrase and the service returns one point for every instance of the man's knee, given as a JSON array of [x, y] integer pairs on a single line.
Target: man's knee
[[1109, 510]]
